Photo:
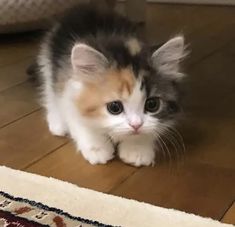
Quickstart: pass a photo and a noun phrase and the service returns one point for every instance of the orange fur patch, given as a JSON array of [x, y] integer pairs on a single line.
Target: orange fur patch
[[117, 85]]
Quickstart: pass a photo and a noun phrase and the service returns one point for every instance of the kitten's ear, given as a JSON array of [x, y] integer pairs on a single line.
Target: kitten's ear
[[87, 62], [166, 59]]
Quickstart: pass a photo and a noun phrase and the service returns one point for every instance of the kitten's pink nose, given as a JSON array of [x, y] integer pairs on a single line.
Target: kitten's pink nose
[[136, 126]]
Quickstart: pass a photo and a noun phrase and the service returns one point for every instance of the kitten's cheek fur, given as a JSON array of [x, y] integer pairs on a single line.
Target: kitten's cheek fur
[[137, 151]]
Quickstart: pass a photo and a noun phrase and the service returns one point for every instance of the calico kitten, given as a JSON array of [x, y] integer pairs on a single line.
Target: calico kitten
[[104, 86]]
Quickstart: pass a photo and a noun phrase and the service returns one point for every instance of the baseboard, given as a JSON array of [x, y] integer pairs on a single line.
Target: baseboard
[[211, 2], [204, 2]]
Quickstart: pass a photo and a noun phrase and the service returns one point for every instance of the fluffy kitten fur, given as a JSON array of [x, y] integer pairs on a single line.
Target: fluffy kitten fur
[[90, 59]]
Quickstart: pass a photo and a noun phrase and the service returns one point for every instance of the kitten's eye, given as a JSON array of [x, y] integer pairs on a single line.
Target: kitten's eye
[[152, 104], [115, 107]]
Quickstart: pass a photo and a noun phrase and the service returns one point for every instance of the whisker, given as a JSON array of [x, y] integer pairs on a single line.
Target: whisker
[[177, 135], [159, 142], [165, 145], [174, 133], [171, 140]]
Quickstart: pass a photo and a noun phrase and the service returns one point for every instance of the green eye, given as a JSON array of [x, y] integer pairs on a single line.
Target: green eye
[[152, 104], [115, 107]]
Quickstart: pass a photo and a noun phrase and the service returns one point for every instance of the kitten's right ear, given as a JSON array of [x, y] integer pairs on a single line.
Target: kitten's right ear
[[87, 62]]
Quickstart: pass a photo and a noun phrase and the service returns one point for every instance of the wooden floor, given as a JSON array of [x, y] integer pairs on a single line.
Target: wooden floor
[[204, 183]]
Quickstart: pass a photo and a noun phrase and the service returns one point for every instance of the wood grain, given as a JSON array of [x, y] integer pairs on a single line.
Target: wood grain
[[16, 102], [18, 46], [26, 141], [210, 120], [11, 76], [194, 188], [67, 164]]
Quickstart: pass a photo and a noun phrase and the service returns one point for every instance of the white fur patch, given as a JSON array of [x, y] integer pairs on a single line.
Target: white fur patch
[[134, 105], [133, 46]]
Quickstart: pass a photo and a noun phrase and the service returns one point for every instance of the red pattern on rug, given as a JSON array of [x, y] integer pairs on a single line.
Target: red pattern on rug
[[59, 221], [9, 220], [23, 210]]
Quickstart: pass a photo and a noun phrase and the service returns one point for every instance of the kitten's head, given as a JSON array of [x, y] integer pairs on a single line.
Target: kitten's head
[[126, 89]]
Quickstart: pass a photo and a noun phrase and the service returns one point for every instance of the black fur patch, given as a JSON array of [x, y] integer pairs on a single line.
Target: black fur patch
[[104, 31]]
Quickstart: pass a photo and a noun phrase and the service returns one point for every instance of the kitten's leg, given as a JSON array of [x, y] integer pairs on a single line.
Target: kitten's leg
[[95, 147], [137, 150], [56, 123]]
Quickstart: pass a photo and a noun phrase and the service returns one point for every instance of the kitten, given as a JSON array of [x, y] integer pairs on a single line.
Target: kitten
[[104, 86]]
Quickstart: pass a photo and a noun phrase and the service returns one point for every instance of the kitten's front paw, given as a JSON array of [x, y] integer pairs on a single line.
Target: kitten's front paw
[[56, 125], [137, 156], [98, 155]]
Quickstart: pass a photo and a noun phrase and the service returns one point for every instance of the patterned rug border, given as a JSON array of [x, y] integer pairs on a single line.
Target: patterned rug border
[[53, 209], [31, 221]]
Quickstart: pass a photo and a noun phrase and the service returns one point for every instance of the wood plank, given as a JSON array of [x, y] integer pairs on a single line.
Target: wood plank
[[13, 53], [210, 88], [68, 165], [212, 142], [17, 102], [229, 216], [15, 74], [203, 45], [231, 49], [210, 123], [15, 47], [164, 21], [194, 188], [212, 31], [26, 141]]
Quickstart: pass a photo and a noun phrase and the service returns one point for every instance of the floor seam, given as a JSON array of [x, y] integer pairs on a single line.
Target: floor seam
[[226, 210], [19, 118], [124, 180], [44, 156]]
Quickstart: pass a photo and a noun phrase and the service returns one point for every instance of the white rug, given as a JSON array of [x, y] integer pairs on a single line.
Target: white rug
[[92, 205]]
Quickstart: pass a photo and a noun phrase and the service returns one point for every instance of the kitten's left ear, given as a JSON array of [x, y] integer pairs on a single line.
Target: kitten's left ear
[[88, 63], [166, 59]]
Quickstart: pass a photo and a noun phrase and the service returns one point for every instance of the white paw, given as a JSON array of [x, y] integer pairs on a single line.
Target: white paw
[[137, 155], [56, 125], [99, 154]]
